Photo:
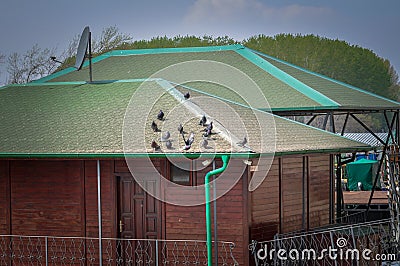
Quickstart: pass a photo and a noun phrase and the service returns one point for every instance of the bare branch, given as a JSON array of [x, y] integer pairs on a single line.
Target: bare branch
[[14, 68], [70, 51], [34, 64], [2, 60], [109, 39]]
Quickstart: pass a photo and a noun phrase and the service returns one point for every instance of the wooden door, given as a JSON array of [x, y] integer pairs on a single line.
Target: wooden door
[[139, 212], [139, 219]]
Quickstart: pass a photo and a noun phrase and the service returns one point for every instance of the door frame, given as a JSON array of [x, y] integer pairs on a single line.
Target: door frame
[[161, 215]]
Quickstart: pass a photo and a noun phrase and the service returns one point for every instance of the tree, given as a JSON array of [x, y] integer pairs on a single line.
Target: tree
[[336, 59], [177, 41], [109, 39], [395, 84], [2, 58], [33, 64]]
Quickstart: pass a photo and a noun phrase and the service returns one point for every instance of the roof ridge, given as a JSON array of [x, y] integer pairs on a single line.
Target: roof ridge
[[230, 47], [294, 83], [265, 112], [216, 48], [198, 111]]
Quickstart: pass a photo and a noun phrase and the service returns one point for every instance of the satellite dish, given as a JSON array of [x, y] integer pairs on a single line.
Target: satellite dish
[[84, 43], [82, 48]]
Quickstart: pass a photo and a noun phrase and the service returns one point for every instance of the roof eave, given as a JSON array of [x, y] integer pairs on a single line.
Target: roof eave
[[166, 155]]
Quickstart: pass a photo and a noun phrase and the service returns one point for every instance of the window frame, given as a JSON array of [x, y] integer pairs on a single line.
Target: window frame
[[192, 174]]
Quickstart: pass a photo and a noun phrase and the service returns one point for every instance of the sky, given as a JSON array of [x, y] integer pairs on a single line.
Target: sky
[[371, 24]]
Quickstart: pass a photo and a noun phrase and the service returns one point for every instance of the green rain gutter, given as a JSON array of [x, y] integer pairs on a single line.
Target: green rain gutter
[[11, 155], [225, 159], [7, 155]]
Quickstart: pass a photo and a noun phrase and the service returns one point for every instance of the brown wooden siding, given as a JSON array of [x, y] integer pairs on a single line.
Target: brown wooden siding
[[57, 197], [265, 206], [319, 190], [46, 197], [108, 199], [294, 196], [180, 222], [189, 222], [4, 198], [60, 198]]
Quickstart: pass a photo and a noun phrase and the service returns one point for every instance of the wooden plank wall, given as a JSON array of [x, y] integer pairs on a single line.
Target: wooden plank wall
[[318, 187], [108, 199], [294, 185], [292, 194], [47, 198], [265, 206], [4, 198], [60, 198], [55, 197], [189, 222]]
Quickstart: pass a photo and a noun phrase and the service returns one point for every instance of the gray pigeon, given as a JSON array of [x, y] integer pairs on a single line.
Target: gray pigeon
[[180, 129], [160, 115], [209, 127], [189, 141], [155, 146], [186, 95], [207, 133], [154, 126], [168, 144], [203, 121], [191, 138], [204, 143], [165, 136], [243, 142]]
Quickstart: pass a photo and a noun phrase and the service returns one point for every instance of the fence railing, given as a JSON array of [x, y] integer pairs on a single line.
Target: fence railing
[[359, 244], [48, 250]]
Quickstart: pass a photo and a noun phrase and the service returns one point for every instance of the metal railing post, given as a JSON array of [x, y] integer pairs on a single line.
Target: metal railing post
[[357, 262], [46, 248], [99, 214], [332, 243], [156, 252]]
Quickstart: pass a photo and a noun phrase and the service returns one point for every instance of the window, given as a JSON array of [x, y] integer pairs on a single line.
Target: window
[[180, 172]]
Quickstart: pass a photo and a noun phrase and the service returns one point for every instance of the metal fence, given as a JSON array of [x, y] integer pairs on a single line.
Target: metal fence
[[48, 250], [360, 244]]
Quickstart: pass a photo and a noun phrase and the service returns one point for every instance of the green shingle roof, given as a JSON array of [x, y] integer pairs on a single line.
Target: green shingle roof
[[345, 95], [86, 120], [143, 66], [285, 86]]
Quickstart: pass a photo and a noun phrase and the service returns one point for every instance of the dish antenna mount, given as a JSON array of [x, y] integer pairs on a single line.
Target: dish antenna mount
[[84, 51]]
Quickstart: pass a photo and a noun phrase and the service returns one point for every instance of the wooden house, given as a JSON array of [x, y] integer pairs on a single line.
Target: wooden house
[[69, 148]]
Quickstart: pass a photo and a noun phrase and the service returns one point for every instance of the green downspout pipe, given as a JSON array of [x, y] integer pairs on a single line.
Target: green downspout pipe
[[225, 159]]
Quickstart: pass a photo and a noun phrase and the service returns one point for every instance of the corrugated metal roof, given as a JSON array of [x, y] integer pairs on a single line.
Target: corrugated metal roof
[[367, 138]]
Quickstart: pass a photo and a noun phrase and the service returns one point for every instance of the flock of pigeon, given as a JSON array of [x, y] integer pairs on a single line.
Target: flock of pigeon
[[165, 137]]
